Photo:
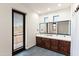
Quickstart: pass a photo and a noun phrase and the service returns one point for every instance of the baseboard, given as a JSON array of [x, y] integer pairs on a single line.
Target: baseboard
[[30, 47]]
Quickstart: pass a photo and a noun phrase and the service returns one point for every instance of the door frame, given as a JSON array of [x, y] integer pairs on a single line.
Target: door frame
[[24, 14]]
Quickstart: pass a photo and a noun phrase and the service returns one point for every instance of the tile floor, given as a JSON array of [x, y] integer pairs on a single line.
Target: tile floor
[[38, 51]]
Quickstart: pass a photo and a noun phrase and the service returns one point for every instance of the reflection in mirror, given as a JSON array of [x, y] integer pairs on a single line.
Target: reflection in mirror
[[52, 28], [43, 28], [64, 27]]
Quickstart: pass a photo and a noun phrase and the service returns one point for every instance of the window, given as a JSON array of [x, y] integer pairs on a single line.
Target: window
[[45, 19], [56, 18]]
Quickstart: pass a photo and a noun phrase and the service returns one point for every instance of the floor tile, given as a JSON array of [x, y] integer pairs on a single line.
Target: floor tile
[[38, 51]]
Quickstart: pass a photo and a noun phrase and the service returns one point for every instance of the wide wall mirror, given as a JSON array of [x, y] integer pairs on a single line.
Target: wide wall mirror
[[60, 27]]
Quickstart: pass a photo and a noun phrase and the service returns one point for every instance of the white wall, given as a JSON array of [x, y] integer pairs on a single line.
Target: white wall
[[75, 31], [32, 26], [5, 30], [6, 27], [64, 14]]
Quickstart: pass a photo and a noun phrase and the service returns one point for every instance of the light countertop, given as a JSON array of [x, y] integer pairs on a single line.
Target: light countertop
[[52, 36]]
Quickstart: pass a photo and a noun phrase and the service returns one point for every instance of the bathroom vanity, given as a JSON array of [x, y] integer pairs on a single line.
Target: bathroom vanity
[[57, 43], [55, 36]]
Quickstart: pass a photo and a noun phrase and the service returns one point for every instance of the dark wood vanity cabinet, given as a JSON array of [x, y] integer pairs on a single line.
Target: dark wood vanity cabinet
[[60, 46], [46, 43], [64, 47], [43, 42], [39, 41], [54, 45]]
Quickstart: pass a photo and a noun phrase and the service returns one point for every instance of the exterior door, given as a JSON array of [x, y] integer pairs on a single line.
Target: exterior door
[[18, 31]]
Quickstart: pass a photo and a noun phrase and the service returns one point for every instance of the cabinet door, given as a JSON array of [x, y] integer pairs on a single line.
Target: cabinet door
[[43, 43], [46, 43], [38, 41], [64, 47], [54, 44]]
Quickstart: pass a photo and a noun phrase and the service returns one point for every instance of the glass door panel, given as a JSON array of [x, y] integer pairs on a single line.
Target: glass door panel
[[18, 42], [18, 31], [18, 23]]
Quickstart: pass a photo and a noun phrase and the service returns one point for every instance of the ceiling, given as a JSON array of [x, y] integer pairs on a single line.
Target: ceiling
[[42, 8]]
